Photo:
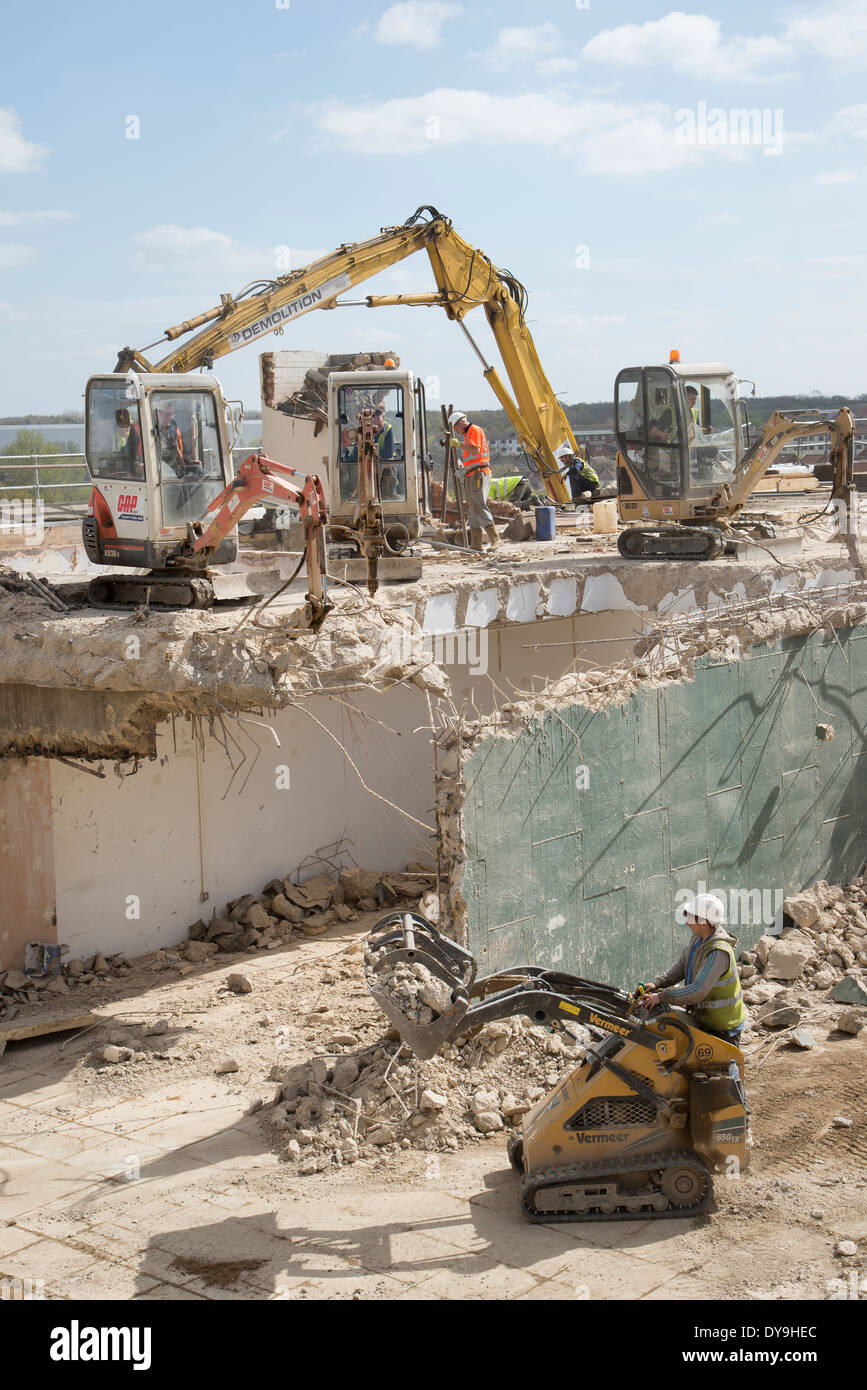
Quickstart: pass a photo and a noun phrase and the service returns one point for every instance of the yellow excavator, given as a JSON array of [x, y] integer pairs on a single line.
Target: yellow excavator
[[634, 1131], [465, 277], [158, 433], [686, 463]]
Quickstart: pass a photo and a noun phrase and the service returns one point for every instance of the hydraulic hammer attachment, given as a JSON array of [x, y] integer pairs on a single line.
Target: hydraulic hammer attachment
[[419, 978]]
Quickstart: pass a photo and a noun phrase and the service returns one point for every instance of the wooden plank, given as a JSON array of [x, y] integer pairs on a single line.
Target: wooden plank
[[36, 1027]]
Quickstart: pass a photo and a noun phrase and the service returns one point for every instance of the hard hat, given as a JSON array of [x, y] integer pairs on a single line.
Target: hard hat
[[565, 451], [706, 906], [455, 416]]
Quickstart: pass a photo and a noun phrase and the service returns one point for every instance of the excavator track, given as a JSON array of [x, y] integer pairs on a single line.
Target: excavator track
[[679, 1185], [151, 590], [670, 543]]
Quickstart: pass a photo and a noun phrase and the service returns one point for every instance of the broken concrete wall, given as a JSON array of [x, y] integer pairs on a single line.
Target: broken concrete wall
[[27, 892], [570, 828], [133, 855]]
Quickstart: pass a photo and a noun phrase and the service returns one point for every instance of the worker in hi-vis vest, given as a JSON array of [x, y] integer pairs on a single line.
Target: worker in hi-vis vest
[[711, 988], [476, 466], [583, 480], [515, 489]]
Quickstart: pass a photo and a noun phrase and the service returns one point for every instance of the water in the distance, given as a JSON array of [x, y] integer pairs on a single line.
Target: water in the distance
[[63, 433]]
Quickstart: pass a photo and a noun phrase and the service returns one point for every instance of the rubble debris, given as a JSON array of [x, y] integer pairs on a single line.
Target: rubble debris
[[846, 1248], [250, 923], [114, 1054], [850, 1022], [310, 401], [841, 1122], [825, 950], [419, 995], [776, 1016], [379, 1100], [228, 1064], [239, 984], [849, 991]]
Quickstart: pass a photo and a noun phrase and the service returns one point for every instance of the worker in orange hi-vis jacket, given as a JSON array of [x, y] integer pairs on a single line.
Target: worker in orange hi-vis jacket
[[476, 466]]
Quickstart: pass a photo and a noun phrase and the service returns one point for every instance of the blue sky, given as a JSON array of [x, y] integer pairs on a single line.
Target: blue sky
[[565, 140]]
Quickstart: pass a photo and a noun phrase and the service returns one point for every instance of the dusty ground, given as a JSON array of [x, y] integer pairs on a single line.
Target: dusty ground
[[153, 1178]]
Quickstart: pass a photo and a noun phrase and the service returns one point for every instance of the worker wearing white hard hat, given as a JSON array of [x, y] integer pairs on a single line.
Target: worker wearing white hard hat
[[583, 480], [704, 979], [476, 471]]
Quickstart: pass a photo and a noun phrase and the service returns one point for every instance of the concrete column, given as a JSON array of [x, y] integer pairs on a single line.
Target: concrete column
[[27, 894]]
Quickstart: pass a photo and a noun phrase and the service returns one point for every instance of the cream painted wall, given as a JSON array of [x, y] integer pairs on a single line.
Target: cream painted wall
[[118, 841]]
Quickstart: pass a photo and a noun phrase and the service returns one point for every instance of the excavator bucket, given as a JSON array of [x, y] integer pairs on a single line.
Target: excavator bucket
[[419, 978]]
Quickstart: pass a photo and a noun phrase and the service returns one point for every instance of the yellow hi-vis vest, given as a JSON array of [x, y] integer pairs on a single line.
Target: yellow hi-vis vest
[[502, 487], [723, 1008]]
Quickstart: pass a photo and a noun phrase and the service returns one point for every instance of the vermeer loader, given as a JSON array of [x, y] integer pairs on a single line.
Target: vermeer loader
[[636, 1130]]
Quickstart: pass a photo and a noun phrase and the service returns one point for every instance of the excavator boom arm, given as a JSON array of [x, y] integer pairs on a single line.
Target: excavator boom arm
[[465, 278], [261, 481], [779, 430]]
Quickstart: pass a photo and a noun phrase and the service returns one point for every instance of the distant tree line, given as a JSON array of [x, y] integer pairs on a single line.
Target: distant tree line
[[599, 415], [68, 417]]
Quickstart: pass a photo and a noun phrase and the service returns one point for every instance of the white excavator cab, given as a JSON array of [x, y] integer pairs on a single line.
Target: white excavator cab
[[397, 403], [158, 453]]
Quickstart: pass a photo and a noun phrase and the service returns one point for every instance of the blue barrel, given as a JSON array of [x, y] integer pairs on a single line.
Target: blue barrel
[[546, 523]]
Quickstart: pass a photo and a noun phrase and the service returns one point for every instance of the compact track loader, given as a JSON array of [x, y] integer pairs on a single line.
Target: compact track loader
[[634, 1131]]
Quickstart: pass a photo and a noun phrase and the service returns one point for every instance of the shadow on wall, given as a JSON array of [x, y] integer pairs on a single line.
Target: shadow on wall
[[724, 781]]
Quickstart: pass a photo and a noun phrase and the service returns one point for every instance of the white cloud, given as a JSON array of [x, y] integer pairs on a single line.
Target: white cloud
[[415, 22], [604, 137], [17, 155], [553, 68], [718, 219], [851, 121], [840, 176], [15, 219], [688, 43], [837, 32], [202, 250], [12, 256], [519, 44]]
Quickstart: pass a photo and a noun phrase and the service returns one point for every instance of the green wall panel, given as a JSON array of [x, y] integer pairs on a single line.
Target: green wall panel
[[718, 781]]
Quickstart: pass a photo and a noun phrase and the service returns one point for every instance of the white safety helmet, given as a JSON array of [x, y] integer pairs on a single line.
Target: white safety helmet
[[565, 451], [705, 906], [455, 416]]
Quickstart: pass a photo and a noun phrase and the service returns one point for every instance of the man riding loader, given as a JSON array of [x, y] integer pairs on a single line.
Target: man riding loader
[[639, 1125], [686, 464]]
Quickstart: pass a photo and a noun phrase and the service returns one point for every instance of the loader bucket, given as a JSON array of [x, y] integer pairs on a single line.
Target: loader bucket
[[419, 978]]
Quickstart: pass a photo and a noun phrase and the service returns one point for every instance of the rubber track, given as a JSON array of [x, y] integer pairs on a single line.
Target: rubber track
[[553, 1177]]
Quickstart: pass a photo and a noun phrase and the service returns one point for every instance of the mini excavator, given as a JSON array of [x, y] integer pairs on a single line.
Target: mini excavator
[[635, 1131]]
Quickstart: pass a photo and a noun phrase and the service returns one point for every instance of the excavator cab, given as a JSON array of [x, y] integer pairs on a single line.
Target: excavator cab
[[158, 453], [396, 400], [681, 440]]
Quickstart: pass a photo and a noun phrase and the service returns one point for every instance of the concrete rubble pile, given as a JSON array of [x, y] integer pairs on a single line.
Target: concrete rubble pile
[[251, 923], [261, 922], [817, 962], [310, 401], [421, 996], [366, 1103]]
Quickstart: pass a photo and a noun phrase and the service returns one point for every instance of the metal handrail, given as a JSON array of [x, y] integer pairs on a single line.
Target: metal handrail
[[32, 490]]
